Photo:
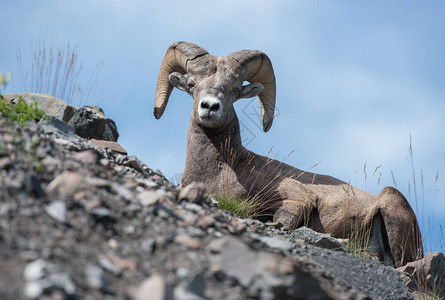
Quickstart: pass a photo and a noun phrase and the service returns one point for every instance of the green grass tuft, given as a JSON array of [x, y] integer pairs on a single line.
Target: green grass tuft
[[20, 112], [241, 207]]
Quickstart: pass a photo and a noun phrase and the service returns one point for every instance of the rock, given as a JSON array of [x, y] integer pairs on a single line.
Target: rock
[[57, 210], [153, 288], [123, 263], [65, 185], [123, 225], [318, 239], [148, 198], [5, 163], [33, 186], [426, 275], [195, 283], [35, 270], [33, 289], [192, 288], [135, 163], [113, 146], [122, 191], [103, 214], [188, 241], [48, 125], [194, 192], [42, 277], [62, 281], [237, 261], [95, 277], [108, 265], [205, 221], [90, 122], [89, 157], [49, 104], [274, 242], [148, 245], [272, 276]]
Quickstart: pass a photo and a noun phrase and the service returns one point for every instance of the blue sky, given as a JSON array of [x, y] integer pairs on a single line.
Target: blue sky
[[355, 79]]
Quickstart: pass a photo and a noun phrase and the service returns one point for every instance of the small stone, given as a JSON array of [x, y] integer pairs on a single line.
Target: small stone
[[66, 143], [113, 244], [148, 245], [33, 289], [147, 198], [113, 146], [274, 242], [157, 171], [124, 263], [87, 157], [318, 239], [104, 162], [103, 214], [193, 207], [146, 182], [35, 270], [186, 240], [5, 163], [33, 186], [64, 282], [205, 221], [120, 159], [122, 191], [95, 277], [58, 124], [135, 163], [65, 185], [50, 163], [153, 288], [57, 210], [195, 283], [98, 182], [188, 217], [274, 224], [109, 266]]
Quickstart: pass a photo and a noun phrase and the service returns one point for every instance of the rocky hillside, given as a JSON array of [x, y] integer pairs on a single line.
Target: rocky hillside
[[80, 219]]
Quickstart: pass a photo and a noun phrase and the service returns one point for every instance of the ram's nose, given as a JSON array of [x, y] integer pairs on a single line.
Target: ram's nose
[[212, 105]]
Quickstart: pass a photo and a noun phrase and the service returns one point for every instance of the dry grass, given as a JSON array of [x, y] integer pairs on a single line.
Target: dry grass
[[57, 72]]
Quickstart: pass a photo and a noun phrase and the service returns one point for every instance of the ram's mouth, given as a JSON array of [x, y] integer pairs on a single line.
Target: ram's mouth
[[208, 119]]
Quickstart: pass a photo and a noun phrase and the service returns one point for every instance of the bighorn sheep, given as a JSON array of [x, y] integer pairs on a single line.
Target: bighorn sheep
[[216, 156]]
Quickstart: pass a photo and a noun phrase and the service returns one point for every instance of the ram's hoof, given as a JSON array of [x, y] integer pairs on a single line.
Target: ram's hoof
[[289, 220]]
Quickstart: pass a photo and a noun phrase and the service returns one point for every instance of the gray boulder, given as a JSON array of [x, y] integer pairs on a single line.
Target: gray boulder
[[426, 275], [90, 122], [318, 239], [49, 104]]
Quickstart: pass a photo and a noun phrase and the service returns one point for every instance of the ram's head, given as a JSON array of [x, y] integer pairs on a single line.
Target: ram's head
[[215, 83]]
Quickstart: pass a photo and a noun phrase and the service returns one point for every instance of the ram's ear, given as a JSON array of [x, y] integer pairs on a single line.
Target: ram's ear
[[178, 81], [251, 90]]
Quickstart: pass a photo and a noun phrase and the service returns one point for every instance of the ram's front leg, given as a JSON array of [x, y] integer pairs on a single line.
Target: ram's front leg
[[293, 214], [297, 206]]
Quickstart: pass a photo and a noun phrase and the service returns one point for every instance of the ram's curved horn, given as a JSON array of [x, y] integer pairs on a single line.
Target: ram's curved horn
[[259, 69], [175, 60]]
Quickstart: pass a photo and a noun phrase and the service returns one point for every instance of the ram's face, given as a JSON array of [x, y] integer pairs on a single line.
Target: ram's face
[[214, 85]]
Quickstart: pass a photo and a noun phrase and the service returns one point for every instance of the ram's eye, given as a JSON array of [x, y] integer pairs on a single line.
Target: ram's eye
[[236, 91], [191, 85]]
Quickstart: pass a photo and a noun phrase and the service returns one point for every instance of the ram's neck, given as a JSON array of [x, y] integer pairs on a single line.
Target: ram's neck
[[209, 152]]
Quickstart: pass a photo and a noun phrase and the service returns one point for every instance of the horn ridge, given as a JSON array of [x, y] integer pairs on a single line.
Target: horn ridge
[[175, 60], [259, 69]]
